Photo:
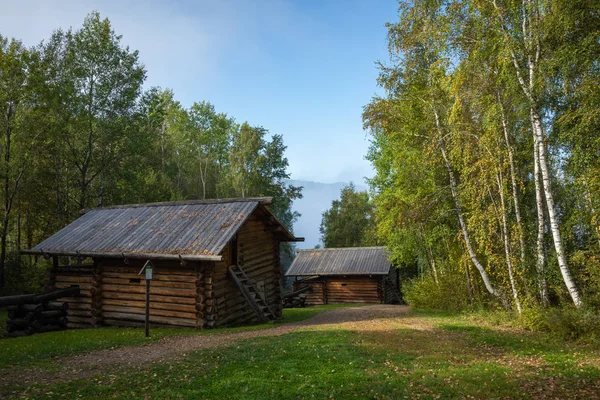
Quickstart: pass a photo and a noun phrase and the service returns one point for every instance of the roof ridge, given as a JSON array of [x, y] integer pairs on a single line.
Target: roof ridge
[[260, 200], [343, 248]]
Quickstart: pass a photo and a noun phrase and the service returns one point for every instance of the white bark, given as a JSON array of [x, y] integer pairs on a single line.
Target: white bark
[[507, 251], [538, 132], [463, 226], [547, 184], [515, 189], [540, 263]]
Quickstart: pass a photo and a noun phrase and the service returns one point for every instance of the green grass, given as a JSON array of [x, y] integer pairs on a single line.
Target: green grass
[[42, 349], [3, 318], [421, 355]]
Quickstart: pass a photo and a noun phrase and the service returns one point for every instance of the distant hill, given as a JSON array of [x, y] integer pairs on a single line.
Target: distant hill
[[317, 198]]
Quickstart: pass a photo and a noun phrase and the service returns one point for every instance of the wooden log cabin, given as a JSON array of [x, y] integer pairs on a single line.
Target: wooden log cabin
[[216, 262], [346, 275]]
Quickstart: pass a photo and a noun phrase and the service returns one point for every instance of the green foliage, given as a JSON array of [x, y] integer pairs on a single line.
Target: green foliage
[[78, 132], [350, 220], [448, 294], [464, 81]]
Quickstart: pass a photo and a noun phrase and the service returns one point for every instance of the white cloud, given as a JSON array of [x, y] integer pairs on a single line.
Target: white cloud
[[177, 43]]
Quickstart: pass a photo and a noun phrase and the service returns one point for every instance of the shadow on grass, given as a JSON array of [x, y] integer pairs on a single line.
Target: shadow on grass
[[450, 361]]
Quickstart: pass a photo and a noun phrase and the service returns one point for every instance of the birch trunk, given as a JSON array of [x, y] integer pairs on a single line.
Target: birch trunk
[[540, 264], [513, 179], [532, 48], [461, 220], [507, 251], [547, 184]]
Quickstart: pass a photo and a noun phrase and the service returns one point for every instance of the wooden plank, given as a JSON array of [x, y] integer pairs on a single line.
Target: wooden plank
[[191, 285], [153, 311], [74, 279], [153, 305], [164, 270], [156, 277], [153, 290], [153, 318], [79, 313], [153, 297]]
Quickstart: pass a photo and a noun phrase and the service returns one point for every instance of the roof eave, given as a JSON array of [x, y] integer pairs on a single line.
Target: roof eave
[[136, 255], [338, 274]]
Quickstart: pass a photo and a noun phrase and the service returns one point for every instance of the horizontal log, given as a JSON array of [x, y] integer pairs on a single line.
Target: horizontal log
[[20, 333], [162, 270], [191, 284], [34, 308], [155, 277], [56, 305], [153, 290], [74, 279], [79, 313], [153, 318], [259, 252], [65, 285], [18, 323], [52, 314], [81, 320], [153, 305], [72, 291], [50, 328], [297, 292], [16, 300], [153, 312], [153, 298], [76, 325]]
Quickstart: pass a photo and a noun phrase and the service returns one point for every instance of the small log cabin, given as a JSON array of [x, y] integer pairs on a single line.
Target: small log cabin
[[346, 275], [216, 262]]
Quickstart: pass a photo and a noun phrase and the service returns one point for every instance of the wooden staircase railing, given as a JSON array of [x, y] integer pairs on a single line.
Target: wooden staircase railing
[[250, 293]]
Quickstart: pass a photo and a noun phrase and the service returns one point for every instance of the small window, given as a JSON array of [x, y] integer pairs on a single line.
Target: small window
[[344, 284], [135, 280]]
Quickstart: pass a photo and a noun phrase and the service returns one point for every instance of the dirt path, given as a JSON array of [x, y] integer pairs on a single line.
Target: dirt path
[[168, 348]]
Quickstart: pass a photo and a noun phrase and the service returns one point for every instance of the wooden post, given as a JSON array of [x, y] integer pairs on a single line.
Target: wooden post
[[147, 323], [147, 269]]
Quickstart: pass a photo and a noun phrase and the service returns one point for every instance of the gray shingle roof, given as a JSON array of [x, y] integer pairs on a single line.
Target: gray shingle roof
[[341, 261], [193, 230]]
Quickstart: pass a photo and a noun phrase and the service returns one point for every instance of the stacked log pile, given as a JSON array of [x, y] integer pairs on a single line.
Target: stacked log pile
[[318, 295], [294, 300], [84, 309], [29, 314]]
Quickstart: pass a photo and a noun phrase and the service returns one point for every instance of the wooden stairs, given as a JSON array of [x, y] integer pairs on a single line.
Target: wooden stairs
[[251, 294]]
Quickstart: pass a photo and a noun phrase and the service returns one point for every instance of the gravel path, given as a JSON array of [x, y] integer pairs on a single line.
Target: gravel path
[[168, 348]]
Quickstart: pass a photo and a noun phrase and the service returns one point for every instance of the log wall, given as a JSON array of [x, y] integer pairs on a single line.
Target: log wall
[[317, 297], [197, 294], [176, 293], [339, 290], [354, 290], [82, 312], [258, 255]]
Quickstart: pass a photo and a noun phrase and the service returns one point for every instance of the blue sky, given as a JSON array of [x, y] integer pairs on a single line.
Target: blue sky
[[303, 68]]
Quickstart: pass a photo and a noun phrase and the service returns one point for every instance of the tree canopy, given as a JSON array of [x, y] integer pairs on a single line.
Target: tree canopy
[[485, 149], [350, 220], [79, 130]]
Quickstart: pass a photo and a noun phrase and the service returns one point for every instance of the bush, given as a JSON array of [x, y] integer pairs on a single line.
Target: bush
[[570, 323], [448, 294]]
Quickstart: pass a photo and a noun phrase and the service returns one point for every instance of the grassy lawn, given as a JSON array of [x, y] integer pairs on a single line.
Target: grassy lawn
[[42, 349], [420, 355], [3, 318]]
